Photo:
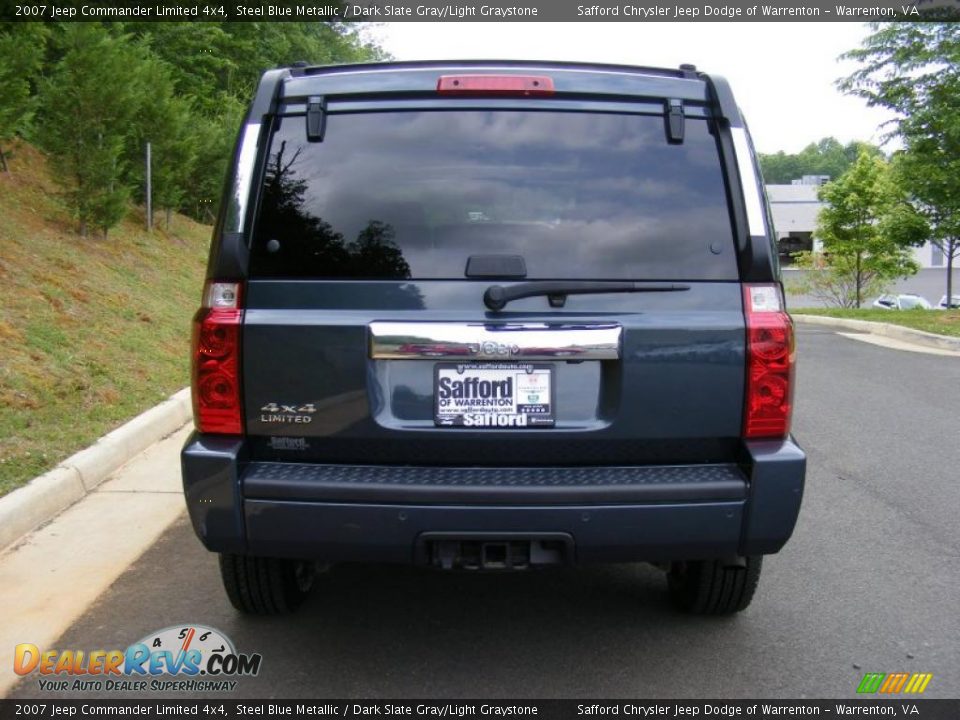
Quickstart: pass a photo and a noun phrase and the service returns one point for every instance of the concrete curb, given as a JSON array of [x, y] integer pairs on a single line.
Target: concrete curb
[[897, 332], [45, 497]]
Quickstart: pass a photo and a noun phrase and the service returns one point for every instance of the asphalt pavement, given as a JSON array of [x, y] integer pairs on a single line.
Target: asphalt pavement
[[870, 582]]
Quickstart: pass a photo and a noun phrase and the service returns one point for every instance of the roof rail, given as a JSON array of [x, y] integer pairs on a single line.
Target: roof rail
[[722, 98], [667, 72], [719, 91]]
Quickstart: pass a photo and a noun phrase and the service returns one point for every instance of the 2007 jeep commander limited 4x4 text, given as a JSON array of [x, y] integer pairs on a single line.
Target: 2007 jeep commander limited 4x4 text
[[493, 315]]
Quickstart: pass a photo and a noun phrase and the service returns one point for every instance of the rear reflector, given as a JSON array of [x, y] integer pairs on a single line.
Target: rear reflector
[[770, 362], [529, 85], [216, 360]]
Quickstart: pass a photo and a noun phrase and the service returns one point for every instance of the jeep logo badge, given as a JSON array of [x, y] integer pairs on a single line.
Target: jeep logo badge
[[489, 347]]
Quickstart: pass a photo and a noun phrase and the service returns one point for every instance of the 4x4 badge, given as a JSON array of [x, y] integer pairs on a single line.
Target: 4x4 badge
[[278, 413]]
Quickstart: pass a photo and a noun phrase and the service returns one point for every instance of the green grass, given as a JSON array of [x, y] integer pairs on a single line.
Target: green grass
[[93, 331], [934, 321]]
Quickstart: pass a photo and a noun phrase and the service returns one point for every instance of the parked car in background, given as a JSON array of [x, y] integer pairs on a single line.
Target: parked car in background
[[903, 301], [954, 302]]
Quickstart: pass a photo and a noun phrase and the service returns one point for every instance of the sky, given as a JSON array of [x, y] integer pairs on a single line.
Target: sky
[[782, 73]]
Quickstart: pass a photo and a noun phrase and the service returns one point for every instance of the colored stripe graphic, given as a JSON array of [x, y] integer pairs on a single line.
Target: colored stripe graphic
[[918, 683], [913, 683], [871, 682], [894, 682]]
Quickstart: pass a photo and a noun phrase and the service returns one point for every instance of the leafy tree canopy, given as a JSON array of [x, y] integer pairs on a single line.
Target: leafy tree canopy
[[181, 86], [825, 157], [21, 55], [904, 66], [913, 69], [866, 228], [84, 104]]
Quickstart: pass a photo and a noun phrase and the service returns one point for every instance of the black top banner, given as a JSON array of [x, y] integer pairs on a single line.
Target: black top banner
[[483, 10]]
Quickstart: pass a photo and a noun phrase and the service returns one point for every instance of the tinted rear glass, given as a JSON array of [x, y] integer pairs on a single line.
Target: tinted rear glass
[[415, 194]]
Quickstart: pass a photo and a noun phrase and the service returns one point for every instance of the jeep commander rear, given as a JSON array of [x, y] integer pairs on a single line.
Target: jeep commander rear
[[493, 316]]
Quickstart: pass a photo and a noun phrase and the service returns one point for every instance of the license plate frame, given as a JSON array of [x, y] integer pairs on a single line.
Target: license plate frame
[[472, 406]]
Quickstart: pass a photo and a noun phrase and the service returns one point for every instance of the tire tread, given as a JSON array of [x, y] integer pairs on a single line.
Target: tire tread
[[260, 586], [714, 587]]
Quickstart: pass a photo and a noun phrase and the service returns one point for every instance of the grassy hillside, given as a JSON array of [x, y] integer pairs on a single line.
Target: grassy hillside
[[92, 331]]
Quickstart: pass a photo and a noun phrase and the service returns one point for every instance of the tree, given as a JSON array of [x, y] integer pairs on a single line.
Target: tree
[[200, 57], [866, 228], [217, 66], [164, 120], [213, 139], [87, 105], [21, 55], [825, 157], [110, 87], [914, 70], [927, 169]]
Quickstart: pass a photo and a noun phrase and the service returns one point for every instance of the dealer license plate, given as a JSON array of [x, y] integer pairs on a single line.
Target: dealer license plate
[[493, 395]]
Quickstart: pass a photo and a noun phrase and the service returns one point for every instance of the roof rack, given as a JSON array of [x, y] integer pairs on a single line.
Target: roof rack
[[719, 90], [666, 72]]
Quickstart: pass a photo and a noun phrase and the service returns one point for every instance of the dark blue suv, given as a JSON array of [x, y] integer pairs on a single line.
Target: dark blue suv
[[493, 316]]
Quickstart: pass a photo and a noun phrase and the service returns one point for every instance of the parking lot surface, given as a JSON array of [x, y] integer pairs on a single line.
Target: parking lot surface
[[869, 583]]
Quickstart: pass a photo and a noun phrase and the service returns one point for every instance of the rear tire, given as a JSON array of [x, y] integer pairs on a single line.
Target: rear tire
[[714, 587], [266, 586]]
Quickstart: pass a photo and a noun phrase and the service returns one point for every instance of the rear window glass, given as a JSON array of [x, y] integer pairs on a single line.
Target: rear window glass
[[415, 194]]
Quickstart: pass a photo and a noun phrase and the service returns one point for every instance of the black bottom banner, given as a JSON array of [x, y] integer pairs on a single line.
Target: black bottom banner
[[723, 709]]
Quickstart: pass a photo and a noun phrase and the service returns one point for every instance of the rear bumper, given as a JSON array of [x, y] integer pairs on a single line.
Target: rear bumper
[[377, 514]]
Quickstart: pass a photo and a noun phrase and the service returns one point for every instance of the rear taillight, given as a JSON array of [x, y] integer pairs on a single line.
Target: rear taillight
[[770, 358], [216, 360], [529, 85]]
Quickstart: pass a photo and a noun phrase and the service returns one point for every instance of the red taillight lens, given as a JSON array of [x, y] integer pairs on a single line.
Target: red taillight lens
[[770, 360], [216, 361], [495, 85]]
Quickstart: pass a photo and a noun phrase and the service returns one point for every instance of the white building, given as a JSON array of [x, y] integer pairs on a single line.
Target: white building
[[795, 208]]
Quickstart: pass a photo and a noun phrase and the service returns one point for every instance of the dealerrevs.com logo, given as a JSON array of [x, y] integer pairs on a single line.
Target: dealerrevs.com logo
[[186, 658]]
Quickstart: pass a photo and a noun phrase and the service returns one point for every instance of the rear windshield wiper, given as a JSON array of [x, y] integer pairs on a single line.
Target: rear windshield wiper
[[497, 296]]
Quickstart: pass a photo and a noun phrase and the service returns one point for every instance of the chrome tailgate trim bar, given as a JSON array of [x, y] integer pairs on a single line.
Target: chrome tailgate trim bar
[[488, 341]]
